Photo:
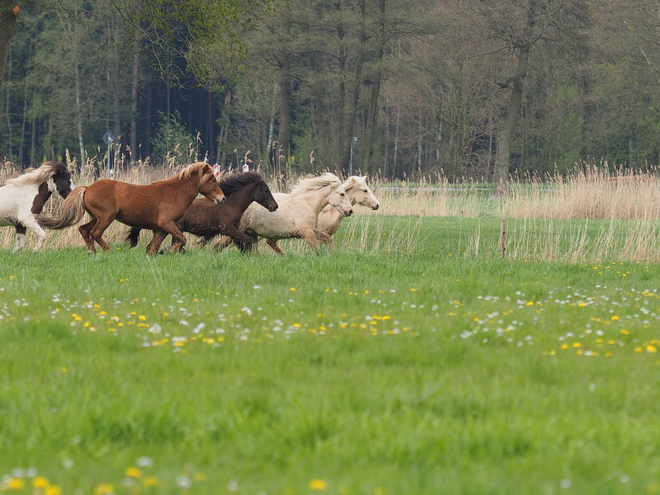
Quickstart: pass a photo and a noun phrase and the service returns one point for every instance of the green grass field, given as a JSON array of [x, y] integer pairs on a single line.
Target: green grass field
[[407, 362]]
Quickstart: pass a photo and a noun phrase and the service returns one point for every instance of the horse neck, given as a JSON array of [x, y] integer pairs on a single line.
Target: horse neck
[[316, 200], [188, 188], [243, 196]]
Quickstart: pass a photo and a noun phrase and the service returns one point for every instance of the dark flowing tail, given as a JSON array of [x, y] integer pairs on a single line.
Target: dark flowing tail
[[73, 209], [132, 236]]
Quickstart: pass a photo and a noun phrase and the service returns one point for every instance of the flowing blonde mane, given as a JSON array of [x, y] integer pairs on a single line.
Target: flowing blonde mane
[[196, 167], [315, 183], [37, 175], [353, 181], [188, 172]]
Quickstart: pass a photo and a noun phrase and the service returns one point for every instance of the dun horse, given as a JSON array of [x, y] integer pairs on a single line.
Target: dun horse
[[157, 206], [297, 212], [329, 220], [207, 220], [24, 197]]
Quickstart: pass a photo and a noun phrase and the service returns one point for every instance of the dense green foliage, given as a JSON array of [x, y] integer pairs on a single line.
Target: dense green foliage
[[392, 87], [354, 372]]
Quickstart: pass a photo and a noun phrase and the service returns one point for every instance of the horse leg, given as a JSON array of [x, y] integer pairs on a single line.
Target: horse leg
[[222, 243], [242, 240], [325, 238], [31, 223], [156, 241], [178, 239], [20, 237], [96, 231], [84, 232], [310, 238], [273, 244]]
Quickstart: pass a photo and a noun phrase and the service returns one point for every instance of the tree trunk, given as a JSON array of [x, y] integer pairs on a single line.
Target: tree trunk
[[9, 10], [135, 155], [517, 82], [503, 155], [284, 131]]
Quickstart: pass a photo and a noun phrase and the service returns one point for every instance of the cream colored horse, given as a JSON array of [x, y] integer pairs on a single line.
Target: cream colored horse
[[296, 214], [329, 220]]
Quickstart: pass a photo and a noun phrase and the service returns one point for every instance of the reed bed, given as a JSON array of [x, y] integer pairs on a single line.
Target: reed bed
[[592, 214]]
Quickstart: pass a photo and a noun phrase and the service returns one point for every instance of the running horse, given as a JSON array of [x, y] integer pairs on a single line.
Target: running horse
[[206, 219], [157, 206], [23, 198], [296, 215], [330, 218]]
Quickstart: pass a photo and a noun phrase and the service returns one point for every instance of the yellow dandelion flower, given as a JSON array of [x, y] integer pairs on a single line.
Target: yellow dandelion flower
[[577, 344], [625, 332], [615, 317], [150, 481], [53, 490], [292, 289], [133, 472], [103, 488], [40, 482], [638, 349], [15, 484], [317, 485], [142, 318], [651, 348]]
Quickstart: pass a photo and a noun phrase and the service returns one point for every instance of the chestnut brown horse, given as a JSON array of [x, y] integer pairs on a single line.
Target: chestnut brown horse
[[207, 219], [157, 206]]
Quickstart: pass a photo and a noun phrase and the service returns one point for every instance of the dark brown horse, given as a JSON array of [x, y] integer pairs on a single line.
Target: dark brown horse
[[207, 220], [157, 206], [24, 197]]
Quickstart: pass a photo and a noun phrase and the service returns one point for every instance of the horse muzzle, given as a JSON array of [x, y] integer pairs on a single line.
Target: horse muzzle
[[375, 207], [273, 208], [348, 213]]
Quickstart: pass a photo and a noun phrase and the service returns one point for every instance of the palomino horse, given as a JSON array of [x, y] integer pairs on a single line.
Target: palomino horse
[[207, 220], [329, 220], [24, 197], [297, 212], [157, 206]]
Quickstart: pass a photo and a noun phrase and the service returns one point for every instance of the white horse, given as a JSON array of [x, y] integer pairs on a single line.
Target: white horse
[[23, 198], [329, 219], [297, 212]]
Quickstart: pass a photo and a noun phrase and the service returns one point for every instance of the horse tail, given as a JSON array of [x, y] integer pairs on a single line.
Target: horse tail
[[132, 236], [73, 209]]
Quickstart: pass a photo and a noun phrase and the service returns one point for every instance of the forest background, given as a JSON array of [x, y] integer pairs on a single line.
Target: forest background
[[464, 89]]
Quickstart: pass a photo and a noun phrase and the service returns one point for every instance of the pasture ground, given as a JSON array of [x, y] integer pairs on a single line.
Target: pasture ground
[[407, 362]]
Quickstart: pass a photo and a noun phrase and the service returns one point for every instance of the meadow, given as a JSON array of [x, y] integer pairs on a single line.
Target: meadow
[[413, 360]]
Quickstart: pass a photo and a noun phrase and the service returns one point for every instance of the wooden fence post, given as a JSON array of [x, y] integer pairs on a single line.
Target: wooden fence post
[[502, 238]]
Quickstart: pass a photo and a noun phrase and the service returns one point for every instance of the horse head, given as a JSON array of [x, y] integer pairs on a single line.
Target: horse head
[[339, 200], [359, 192], [208, 184], [264, 197], [61, 181]]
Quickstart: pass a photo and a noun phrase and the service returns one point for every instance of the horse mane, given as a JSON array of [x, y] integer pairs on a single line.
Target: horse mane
[[315, 183], [189, 171], [353, 181], [38, 175], [235, 181]]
